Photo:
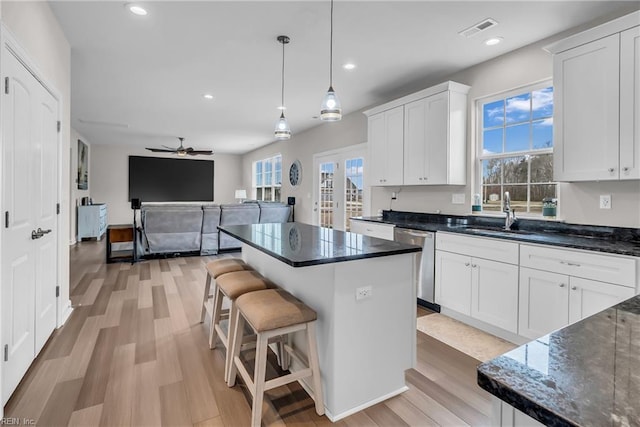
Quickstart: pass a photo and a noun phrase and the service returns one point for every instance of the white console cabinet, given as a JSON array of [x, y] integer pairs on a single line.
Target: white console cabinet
[[92, 221]]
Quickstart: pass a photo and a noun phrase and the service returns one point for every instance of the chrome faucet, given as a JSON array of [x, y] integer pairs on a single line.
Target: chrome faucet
[[511, 214]]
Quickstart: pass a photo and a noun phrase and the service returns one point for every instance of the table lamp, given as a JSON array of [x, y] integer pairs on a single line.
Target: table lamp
[[241, 195]]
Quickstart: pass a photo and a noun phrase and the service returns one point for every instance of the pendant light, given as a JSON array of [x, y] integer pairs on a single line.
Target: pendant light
[[330, 110], [283, 131]]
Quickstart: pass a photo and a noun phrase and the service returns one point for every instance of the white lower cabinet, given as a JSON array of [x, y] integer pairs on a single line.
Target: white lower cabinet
[[528, 290], [453, 281], [588, 297], [544, 302], [549, 301], [372, 229], [494, 293], [485, 289]]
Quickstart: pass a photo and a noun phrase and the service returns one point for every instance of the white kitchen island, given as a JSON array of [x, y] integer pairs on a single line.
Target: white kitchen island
[[364, 345]]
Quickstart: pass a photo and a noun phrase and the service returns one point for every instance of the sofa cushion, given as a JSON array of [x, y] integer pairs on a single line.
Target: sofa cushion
[[274, 212], [237, 214], [170, 229]]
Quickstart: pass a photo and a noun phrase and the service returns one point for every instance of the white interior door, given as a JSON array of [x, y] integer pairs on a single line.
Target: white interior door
[[29, 195], [45, 157], [339, 187]]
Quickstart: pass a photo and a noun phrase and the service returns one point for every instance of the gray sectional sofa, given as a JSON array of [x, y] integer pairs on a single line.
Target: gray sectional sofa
[[191, 227]]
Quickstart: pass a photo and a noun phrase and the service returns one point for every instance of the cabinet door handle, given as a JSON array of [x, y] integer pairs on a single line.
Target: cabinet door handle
[[473, 265], [466, 264], [626, 168], [611, 170], [562, 285], [573, 288], [572, 264], [420, 179]]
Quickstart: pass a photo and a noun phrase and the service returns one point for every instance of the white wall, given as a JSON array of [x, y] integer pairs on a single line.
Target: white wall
[[109, 178], [76, 195], [579, 201], [351, 130], [37, 31]]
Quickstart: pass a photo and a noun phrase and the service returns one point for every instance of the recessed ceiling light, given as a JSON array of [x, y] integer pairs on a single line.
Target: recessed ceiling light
[[349, 66], [136, 9], [493, 41], [208, 96]]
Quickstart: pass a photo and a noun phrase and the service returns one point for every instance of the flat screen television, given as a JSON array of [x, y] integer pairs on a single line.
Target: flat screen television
[[156, 179]]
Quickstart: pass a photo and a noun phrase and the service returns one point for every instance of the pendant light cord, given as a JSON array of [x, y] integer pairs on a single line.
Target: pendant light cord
[[331, 49], [283, 43]]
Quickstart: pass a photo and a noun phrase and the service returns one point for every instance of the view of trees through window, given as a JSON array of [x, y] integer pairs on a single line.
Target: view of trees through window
[[517, 150], [267, 179]]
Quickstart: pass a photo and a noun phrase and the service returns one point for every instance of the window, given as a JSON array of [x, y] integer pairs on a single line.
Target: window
[[267, 179], [516, 149]]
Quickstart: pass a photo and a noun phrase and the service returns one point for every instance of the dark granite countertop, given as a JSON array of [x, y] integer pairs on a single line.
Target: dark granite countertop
[[615, 240], [586, 374], [301, 245]]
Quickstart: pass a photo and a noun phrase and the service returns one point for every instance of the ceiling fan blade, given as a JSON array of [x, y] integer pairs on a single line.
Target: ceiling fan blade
[[160, 150], [169, 148], [203, 152], [187, 149]]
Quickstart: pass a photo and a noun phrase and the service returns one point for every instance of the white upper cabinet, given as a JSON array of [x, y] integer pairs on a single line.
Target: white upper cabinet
[[596, 96], [429, 148], [434, 140], [630, 104], [385, 146]]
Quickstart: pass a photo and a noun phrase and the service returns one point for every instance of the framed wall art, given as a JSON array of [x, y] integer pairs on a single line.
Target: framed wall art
[[83, 166]]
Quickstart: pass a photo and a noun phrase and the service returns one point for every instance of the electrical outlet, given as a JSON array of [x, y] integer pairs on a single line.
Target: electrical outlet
[[363, 292], [605, 201], [457, 198]]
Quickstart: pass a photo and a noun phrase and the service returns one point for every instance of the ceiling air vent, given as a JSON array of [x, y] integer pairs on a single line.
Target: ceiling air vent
[[479, 27]]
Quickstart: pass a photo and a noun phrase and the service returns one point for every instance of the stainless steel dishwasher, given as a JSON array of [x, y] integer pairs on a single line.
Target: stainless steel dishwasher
[[426, 267]]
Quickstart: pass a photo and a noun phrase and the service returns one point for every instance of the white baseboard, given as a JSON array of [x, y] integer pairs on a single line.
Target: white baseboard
[[72, 242], [66, 312], [352, 411]]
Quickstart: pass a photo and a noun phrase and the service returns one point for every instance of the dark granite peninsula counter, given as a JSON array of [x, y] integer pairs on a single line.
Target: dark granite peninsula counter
[[586, 374], [363, 290], [301, 245]]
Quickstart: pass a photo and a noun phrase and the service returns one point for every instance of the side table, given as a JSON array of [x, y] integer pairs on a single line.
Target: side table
[[120, 233]]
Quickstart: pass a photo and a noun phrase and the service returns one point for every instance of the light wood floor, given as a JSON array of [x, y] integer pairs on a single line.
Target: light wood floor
[[134, 353]]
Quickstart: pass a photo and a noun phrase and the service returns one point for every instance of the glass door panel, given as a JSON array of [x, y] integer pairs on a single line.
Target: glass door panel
[[327, 194], [353, 189]]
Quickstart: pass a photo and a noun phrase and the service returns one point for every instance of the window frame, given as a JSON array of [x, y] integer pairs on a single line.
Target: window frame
[[480, 156], [274, 185]]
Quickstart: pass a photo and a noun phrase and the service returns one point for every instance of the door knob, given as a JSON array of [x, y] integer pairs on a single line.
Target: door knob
[[35, 235], [42, 232]]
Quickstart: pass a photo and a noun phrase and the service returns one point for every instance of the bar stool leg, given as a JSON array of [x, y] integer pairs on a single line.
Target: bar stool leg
[[215, 317], [207, 289], [314, 364], [234, 316], [259, 379], [234, 347]]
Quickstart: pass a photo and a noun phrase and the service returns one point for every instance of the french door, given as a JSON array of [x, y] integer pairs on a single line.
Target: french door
[[30, 149], [339, 187]]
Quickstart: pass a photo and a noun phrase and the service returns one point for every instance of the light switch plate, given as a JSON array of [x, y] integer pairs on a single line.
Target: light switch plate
[[605, 201], [457, 198]]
